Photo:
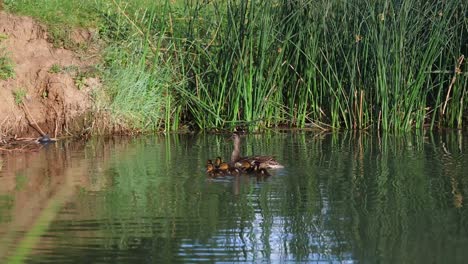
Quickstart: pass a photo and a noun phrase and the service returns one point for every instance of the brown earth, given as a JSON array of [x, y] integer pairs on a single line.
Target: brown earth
[[56, 83]]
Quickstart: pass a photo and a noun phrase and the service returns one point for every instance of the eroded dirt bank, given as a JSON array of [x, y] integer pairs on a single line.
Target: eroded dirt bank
[[50, 89]]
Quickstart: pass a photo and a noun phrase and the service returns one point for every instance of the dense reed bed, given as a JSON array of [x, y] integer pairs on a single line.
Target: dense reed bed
[[335, 64], [387, 65]]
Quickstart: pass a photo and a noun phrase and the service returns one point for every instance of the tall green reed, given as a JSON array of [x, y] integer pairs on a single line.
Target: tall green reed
[[346, 64]]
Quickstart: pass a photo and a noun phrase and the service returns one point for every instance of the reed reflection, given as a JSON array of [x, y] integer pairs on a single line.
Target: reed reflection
[[341, 197]]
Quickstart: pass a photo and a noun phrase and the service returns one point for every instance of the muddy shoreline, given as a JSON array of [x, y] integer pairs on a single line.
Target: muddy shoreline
[[49, 88]]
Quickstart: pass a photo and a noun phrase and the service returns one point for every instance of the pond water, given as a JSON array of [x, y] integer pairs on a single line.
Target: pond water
[[341, 198]]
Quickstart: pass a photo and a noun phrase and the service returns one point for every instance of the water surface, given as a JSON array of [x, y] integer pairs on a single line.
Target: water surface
[[341, 198]]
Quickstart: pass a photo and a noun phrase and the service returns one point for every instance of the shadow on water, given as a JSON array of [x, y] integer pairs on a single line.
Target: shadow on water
[[341, 197]]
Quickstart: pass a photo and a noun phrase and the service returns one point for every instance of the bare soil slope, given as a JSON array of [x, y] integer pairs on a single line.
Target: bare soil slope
[[50, 91]]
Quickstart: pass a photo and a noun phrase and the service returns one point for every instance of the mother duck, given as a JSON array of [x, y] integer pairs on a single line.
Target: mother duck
[[248, 163]]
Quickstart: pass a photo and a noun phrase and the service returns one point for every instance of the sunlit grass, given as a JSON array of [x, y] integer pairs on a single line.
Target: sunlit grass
[[72, 13]]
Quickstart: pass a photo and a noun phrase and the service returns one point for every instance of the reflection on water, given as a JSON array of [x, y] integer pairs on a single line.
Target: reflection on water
[[340, 198]]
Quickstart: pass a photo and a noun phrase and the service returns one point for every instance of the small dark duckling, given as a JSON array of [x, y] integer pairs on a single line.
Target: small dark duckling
[[234, 171], [260, 171]]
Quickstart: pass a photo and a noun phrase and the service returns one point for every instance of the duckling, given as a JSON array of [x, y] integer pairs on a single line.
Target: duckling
[[221, 167], [225, 168], [266, 162], [260, 171], [212, 171], [243, 166], [218, 161], [209, 166], [263, 172], [234, 171]]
